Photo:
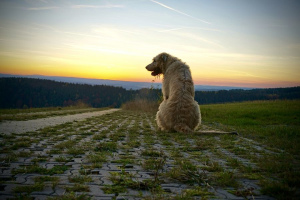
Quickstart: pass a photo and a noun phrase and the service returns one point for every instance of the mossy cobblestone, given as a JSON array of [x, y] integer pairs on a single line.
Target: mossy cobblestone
[[122, 156]]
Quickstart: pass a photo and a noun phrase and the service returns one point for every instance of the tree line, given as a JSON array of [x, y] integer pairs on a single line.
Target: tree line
[[30, 93]]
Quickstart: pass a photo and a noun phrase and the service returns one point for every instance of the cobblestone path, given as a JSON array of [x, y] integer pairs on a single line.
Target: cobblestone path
[[121, 156]]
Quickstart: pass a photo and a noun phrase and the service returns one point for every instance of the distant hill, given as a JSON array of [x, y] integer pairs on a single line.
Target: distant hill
[[31, 92], [128, 85]]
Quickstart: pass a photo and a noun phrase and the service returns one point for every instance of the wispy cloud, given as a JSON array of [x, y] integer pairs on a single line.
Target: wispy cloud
[[98, 6], [196, 37], [168, 7], [42, 8], [187, 27]]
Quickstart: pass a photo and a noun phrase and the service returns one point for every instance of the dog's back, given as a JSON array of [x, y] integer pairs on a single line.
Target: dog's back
[[178, 90], [178, 111]]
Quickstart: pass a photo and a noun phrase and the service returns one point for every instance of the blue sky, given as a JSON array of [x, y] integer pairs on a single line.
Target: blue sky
[[225, 42]]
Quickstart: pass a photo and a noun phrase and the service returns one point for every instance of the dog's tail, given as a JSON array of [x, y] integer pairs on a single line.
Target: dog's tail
[[182, 128]]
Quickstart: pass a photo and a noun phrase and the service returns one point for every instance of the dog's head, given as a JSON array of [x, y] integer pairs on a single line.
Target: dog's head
[[159, 64]]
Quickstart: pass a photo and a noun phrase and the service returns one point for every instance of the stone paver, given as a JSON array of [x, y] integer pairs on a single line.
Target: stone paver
[[122, 156]]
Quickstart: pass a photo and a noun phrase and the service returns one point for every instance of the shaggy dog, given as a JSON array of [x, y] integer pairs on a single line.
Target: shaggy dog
[[178, 111]]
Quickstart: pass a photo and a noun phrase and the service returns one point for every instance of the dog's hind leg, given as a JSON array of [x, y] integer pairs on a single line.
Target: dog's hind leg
[[182, 128]]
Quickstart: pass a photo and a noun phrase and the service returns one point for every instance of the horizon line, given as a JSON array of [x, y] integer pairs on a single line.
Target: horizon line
[[72, 77]]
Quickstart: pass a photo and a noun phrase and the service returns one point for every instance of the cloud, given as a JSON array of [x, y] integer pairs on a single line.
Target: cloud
[[163, 5], [97, 6], [196, 37], [187, 27], [42, 8]]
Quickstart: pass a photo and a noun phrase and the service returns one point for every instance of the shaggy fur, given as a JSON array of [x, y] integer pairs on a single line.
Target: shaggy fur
[[178, 111]]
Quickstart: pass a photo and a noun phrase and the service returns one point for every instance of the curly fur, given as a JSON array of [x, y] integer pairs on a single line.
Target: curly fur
[[178, 111]]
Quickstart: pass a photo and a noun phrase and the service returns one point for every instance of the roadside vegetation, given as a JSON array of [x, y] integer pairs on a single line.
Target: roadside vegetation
[[36, 113]]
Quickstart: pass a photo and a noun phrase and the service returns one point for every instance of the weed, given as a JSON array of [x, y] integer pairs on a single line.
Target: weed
[[66, 144], [106, 147], [233, 162], [60, 169], [125, 180], [186, 172], [63, 159], [151, 153], [41, 170], [42, 179], [114, 189], [191, 193], [225, 178], [99, 136], [55, 151], [97, 158], [80, 179], [167, 143], [9, 158], [29, 188], [78, 188], [75, 151], [117, 137], [40, 159], [124, 161], [213, 167], [22, 197], [71, 196], [25, 154], [46, 178], [134, 143], [21, 144]]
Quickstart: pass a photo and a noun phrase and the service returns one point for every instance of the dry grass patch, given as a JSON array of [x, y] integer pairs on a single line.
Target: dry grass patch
[[141, 105]]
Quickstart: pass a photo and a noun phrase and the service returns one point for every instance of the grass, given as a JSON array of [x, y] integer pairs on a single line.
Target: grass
[[29, 188], [71, 196], [185, 171], [40, 170], [80, 179], [78, 188], [36, 113], [106, 147], [143, 159], [42, 179], [143, 105], [275, 123], [122, 180], [197, 191]]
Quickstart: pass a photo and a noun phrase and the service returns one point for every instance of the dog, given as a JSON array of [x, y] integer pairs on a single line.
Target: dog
[[178, 111]]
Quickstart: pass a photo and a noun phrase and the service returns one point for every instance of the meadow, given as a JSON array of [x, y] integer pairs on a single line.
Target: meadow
[[274, 123], [122, 156]]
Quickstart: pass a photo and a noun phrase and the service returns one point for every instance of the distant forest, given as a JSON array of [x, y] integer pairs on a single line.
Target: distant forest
[[29, 93]]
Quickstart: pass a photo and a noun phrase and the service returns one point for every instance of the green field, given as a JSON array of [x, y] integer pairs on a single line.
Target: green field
[[275, 123]]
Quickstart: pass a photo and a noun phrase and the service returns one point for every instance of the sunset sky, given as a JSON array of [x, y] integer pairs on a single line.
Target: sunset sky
[[225, 42]]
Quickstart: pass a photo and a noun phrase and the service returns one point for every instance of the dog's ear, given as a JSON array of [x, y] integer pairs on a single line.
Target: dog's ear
[[165, 57]]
